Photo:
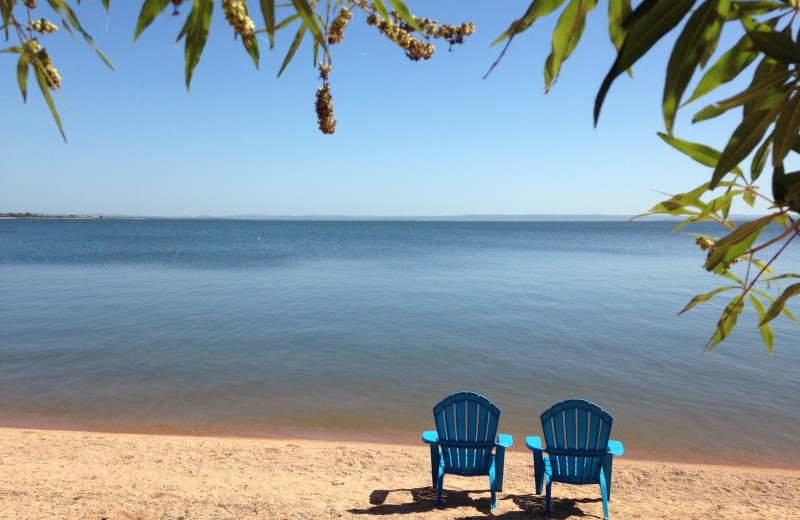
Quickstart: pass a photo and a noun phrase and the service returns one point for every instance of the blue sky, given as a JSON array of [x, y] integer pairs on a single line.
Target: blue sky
[[426, 138]]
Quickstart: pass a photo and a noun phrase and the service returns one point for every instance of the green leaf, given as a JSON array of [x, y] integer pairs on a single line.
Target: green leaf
[[726, 322], [66, 13], [760, 159], [405, 15], [287, 21], [652, 21], [786, 128], [749, 197], [306, 12], [268, 11], [536, 10], [698, 37], [197, 26], [759, 93], [737, 243], [727, 68], [381, 8], [701, 153], [702, 298], [745, 138], [298, 38], [565, 37], [41, 80], [778, 305], [766, 331], [777, 45], [618, 10], [150, 9], [22, 75]]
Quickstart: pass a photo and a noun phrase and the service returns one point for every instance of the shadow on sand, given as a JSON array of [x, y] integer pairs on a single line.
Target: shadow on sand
[[424, 500]]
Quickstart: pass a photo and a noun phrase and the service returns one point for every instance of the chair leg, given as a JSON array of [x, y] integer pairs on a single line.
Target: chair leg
[[493, 483], [439, 486], [547, 497], [538, 471], [604, 494], [435, 457]]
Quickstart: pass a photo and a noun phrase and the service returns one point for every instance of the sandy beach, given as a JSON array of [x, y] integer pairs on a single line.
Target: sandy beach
[[83, 475]]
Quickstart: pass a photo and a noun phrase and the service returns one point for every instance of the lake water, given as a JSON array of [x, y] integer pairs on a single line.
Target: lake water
[[356, 329]]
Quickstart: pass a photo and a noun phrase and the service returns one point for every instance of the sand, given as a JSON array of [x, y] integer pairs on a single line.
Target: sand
[[66, 474]]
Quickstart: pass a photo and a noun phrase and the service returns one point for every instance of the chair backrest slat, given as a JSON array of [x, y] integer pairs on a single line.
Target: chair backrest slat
[[576, 434], [467, 427]]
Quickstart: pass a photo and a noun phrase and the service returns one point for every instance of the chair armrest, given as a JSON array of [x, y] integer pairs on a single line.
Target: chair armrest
[[430, 437], [615, 448], [533, 443], [504, 440]]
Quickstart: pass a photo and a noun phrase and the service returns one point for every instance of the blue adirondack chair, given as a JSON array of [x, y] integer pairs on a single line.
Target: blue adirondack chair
[[464, 441], [578, 449]]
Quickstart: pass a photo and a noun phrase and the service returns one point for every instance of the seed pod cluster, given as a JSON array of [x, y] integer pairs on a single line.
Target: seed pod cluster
[[42, 26], [236, 14], [324, 108], [415, 49], [336, 31], [454, 34], [51, 76]]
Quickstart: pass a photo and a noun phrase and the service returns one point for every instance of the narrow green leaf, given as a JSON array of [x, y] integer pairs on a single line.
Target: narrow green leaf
[[298, 38], [251, 47], [41, 80], [66, 13], [737, 243], [768, 69], [22, 75], [701, 153], [618, 10], [405, 14], [777, 45], [150, 9], [745, 138], [306, 12], [566, 35], [701, 30], [760, 93], [727, 322], [702, 298], [381, 8], [268, 12], [287, 21], [728, 67], [760, 159], [536, 10], [778, 305], [197, 27], [652, 22], [766, 331], [786, 129]]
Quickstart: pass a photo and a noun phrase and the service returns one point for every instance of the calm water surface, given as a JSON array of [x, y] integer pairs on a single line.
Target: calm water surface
[[358, 328]]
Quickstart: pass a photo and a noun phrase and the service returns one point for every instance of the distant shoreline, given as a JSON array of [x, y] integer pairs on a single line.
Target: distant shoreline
[[35, 216]]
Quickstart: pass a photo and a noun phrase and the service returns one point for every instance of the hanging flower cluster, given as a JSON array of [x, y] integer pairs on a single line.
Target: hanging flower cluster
[[42, 26], [236, 14], [38, 55], [454, 34], [336, 30], [415, 49]]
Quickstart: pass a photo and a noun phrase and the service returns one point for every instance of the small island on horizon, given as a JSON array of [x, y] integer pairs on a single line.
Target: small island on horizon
[[28, 215]]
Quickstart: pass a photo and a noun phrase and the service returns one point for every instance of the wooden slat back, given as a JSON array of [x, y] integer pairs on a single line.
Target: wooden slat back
[[466, 423], [576, 434]]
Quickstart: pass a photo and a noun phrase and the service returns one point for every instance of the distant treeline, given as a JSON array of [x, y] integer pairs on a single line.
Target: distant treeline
[[36, 215]]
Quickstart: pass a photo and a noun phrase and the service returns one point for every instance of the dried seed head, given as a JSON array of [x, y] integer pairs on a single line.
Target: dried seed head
[[30, 4], [324, 108]]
